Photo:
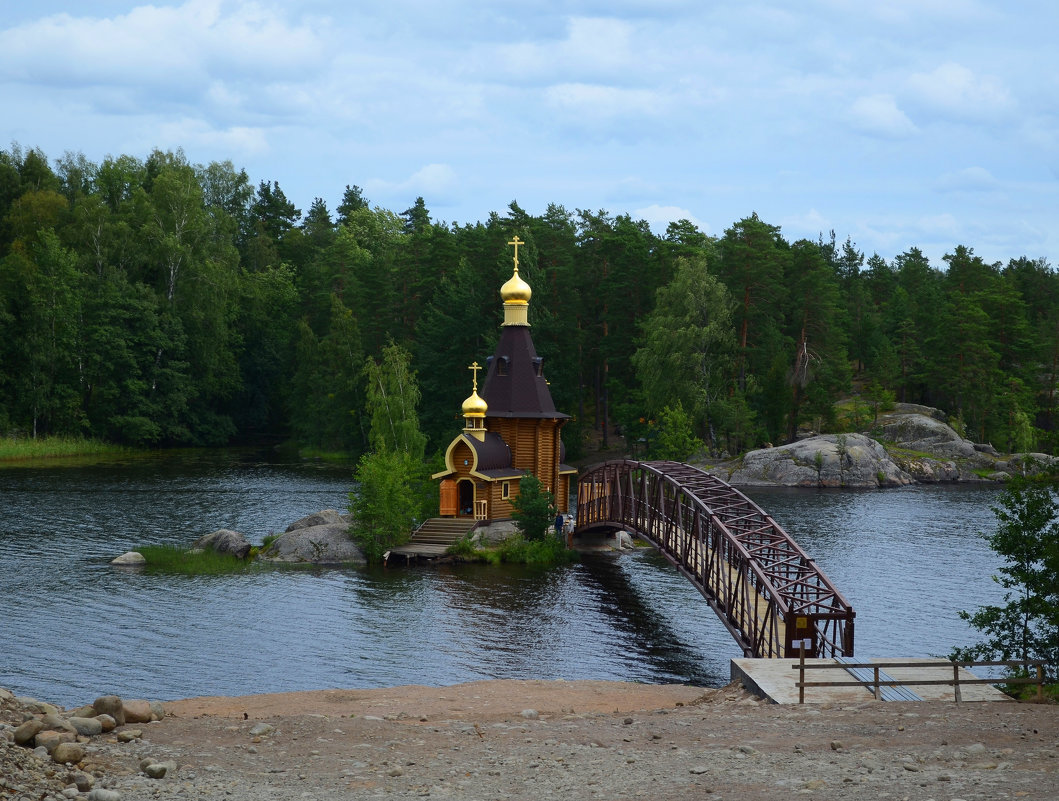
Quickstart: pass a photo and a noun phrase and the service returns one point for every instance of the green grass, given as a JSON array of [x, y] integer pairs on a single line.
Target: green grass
[[515, 550], [14, 449], [907, 453], [465, 548], [1028, 692], [174, 559], [518, 550]]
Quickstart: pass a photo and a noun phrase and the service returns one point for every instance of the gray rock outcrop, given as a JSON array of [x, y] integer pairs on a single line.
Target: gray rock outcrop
[[920, 432], [225, 541], [917, 446], [842, 460], [495, 531], [322, 538], [1028, 463], [328, 517]]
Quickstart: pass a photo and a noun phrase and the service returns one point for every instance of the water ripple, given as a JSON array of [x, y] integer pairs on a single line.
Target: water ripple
[[75, 627]]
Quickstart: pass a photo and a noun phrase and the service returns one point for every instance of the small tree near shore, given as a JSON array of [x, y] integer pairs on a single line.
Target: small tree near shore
[[534, 508], [386, 502], [1027, 537], [391, 494]]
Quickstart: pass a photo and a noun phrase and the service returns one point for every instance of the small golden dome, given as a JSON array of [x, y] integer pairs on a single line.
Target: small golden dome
[[515, 290], [475, 406]]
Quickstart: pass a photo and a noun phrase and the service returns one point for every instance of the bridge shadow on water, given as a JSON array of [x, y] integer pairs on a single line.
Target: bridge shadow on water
[[660, 613]]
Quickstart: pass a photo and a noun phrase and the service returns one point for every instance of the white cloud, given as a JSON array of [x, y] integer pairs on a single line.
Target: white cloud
[[593, 48], [879, 115], [955, 90], [634, 104], [913, 12], [971, 179], [939, 226], [431, 180], [807, 225], [588, 102], [187, 48], [659, 217], [193, 134]]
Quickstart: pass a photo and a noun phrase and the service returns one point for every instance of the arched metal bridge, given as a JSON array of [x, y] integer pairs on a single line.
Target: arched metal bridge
[[765, 589]]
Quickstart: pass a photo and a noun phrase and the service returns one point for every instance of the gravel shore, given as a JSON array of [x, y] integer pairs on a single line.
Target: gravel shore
[[541, 739]]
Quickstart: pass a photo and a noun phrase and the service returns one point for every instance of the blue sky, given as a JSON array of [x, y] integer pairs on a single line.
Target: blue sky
[[901, 123]]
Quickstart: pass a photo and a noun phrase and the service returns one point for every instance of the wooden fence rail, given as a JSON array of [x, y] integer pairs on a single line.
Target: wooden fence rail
[[876, 684]]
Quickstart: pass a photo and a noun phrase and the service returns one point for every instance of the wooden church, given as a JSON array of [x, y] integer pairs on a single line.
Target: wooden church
[[510, 429]]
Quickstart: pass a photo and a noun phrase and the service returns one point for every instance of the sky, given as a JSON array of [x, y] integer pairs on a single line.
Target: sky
[[896, 123]]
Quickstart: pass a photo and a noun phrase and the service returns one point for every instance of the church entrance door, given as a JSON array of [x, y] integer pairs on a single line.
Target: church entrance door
[[466, 493]]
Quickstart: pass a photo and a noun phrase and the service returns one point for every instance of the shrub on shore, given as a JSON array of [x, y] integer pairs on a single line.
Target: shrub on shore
[[516, 549]]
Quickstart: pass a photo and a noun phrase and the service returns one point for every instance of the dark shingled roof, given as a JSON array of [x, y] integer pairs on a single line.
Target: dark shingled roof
[[493, 453], [521, 392]]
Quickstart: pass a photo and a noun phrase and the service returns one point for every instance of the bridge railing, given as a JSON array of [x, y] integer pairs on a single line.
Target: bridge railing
[[765, 589]]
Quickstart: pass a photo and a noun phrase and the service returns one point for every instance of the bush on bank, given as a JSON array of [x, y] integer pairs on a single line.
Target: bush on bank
[[516, 549]]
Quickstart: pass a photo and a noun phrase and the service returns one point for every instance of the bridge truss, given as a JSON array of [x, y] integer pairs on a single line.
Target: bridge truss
[[765, 589]]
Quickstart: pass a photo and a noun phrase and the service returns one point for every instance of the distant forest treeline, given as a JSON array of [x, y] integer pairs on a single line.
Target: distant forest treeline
[[153, 301]]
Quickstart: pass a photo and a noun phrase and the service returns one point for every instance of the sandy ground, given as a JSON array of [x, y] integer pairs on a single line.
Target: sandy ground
[[585, 739], [480, 700]]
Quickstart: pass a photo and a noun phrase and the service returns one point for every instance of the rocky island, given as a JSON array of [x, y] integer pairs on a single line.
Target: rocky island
[[912, 444]]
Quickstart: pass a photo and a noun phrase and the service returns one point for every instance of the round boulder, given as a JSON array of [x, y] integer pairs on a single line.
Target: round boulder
[[136, 711], [25, 733], [156, 770], [53, 721], [226, 541], [67, 753], [87, 727], [129, 559], [107, 722], [328, 517], [325, 544], [110, 705], [49, 740], [82, 781]]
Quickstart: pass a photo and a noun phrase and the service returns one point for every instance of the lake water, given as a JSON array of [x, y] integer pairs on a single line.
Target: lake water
[[73, 627]]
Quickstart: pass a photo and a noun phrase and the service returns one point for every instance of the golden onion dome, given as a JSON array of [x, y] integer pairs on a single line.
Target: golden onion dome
[[475, 406], [515, 290]]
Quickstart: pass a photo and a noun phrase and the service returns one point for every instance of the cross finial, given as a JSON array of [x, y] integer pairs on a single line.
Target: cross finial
[[516, 242], [475, 368]]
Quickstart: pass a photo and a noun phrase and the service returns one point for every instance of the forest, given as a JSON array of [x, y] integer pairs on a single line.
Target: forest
[[155, 302]]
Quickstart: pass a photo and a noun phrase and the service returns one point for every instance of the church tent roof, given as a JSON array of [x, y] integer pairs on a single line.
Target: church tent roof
[[514, 384]]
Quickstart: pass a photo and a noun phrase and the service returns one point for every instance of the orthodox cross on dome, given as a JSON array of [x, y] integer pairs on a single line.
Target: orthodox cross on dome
[[516, 242], [475, 368]]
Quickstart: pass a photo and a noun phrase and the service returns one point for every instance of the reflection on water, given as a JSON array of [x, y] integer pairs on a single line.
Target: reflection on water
[[74, 627]]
